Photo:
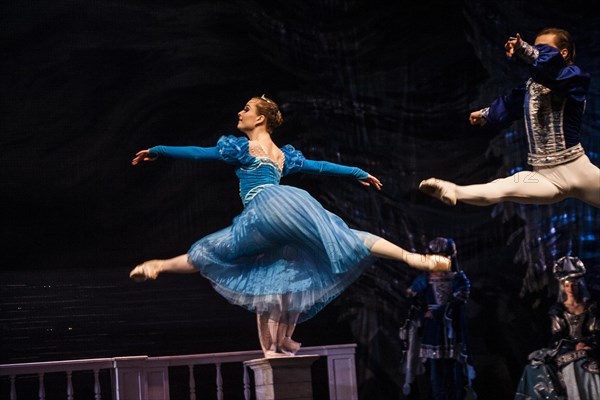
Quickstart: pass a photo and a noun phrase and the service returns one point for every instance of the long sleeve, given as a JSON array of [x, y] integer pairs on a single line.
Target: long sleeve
[[594, 328], [419, 284], [548, 68], [328, 168], [558, 325], [461, 287], [505, 109], [187, 152]]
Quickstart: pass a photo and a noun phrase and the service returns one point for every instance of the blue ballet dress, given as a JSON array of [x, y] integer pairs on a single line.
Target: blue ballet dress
[[284, 252]]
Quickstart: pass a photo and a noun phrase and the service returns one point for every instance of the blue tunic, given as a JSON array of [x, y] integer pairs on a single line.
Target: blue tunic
[[284, 252], [552, 102], [445, 295]]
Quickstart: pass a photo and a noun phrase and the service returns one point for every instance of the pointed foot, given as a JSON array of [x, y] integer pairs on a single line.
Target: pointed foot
[[275, 354], [441, 190], [289, 346], [439, 263], [147, 270], [429, 262]]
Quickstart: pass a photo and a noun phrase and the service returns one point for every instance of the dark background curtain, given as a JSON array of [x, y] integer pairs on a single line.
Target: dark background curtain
[[385, 87]]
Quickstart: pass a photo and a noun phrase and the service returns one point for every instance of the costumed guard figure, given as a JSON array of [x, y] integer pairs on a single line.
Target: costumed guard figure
[[568, 369], [439, 313]]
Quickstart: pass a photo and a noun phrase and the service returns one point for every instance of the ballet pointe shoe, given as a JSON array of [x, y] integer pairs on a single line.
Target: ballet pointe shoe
[[284, 346], [438, 263], [274, 354], [429, 262], [289, 346], [147, 270], [267, 331], [442, 190]]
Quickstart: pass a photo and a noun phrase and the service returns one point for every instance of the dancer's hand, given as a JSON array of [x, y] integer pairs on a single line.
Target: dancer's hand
[[476, 118], [142, 155], [512, 44], [372, 181], [582, 346]]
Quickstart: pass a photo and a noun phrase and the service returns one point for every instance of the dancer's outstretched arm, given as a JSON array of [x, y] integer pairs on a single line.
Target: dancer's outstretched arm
[[329, 168], [187, 152]]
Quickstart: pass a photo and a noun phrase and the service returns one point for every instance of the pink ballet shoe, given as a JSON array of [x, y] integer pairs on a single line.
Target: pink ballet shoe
[[442, 190], [439, 263], [289, 346], [147, 270], [274, 354], [429, 262]]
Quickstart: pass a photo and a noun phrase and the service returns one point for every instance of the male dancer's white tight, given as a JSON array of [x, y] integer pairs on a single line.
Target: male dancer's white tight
[[578, 179]]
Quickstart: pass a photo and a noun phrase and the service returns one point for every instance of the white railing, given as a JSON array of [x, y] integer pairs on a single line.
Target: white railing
[[147, 378], [67, 366]]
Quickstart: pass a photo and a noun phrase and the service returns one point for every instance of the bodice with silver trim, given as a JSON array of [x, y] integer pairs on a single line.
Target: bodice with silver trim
[[578, 326], [263, 172], [441, 286]]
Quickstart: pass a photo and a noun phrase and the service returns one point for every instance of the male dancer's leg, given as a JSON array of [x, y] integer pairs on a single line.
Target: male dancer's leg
[[525, 187]]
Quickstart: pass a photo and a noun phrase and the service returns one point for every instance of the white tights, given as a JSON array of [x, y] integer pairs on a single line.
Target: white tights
[[579, 179]]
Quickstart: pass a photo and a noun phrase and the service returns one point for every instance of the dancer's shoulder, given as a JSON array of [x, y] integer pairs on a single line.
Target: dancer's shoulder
[[234, 149]]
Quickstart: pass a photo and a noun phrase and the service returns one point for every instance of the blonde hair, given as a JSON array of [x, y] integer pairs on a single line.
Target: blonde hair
[[268, 108]]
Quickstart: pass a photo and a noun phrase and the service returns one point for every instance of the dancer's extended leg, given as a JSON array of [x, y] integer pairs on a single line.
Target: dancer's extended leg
[[584, 179], [428, 262], [151, 269], [526, 187]]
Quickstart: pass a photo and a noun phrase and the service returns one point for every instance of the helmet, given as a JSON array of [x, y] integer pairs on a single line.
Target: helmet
[[442, 246], [568, 268], [445, 247]]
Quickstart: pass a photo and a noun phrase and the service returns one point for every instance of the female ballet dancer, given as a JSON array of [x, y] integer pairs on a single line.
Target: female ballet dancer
[[284, 257]]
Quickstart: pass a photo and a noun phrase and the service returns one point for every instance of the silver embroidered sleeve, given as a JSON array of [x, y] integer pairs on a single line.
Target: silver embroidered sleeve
[[557, 324], [484, 114], [462, 295], [527, 52]]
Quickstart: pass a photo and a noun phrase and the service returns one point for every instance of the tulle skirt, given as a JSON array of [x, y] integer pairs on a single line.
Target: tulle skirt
[[283, 254]]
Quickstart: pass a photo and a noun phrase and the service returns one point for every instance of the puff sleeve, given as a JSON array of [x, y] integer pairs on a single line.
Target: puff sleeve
[[234, 150]]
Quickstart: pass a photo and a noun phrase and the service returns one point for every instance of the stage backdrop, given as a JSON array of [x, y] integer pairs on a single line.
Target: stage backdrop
[[385, 87]]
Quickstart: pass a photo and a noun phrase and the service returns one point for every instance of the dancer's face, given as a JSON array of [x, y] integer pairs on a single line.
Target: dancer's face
[[550, 40], [247, 117], [571, 288], [547, 39]]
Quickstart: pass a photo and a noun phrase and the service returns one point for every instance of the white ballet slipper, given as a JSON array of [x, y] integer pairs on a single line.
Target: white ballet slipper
[[442, 190]]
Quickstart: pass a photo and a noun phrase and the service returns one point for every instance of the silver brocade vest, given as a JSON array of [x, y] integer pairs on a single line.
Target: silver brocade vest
[[442, 287], [544, 117], [544, 120]]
